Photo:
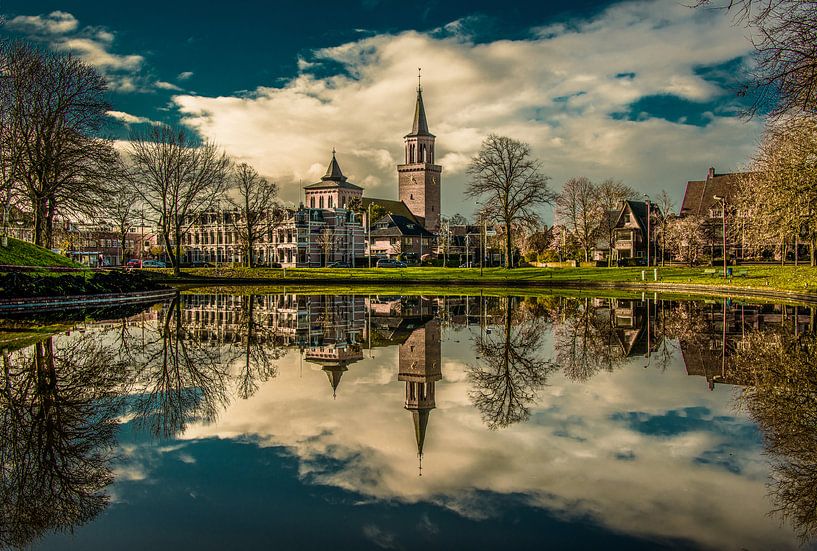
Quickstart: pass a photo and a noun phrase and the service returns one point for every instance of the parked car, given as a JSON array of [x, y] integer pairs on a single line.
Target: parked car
[[134, 263], [389, 263], [275, 265], [467, 265], [153, 264], [338, 265]]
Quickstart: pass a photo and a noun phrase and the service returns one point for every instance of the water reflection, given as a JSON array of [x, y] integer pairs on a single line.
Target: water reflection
[[551, 378], [58, 409]]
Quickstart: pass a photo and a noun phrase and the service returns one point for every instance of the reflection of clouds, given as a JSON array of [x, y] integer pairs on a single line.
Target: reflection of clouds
[[580, 455]]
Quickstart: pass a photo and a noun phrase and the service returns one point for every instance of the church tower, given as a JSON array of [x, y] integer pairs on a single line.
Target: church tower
[[419, 178]]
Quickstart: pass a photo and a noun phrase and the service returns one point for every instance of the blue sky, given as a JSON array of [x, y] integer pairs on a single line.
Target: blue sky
[[638, 91]]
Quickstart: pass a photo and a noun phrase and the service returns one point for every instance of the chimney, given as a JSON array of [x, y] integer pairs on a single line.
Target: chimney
[[711, 173]]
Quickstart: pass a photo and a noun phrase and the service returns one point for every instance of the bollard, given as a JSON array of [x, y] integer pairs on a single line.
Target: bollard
[[643, 275], [655, 274]]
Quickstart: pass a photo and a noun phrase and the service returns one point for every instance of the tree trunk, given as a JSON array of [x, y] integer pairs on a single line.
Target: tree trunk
[[250, 259], [40, 210], [508, 245], [49, 225], [811, 254], [123, 239]]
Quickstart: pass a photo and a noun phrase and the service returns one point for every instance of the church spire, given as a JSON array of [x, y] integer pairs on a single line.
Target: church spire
[[334, 373], [420, 125]]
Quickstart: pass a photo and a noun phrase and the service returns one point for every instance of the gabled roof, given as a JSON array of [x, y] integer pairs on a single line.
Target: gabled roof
[[419, 126], [400, 226], [639, 211], [392, 207], [699, 196], [333, 178]]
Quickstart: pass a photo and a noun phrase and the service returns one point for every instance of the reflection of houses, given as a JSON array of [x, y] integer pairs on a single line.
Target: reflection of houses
[[719, 331], [634, 323]]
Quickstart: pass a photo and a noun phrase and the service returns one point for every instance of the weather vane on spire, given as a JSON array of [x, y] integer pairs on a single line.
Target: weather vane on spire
[[419, 84]]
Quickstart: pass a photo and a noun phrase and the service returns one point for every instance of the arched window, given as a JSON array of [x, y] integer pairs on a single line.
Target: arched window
[[330, 201], [320, 202], [312, 202]]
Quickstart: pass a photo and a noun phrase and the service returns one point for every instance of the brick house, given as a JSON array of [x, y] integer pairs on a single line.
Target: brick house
[[699, 200]]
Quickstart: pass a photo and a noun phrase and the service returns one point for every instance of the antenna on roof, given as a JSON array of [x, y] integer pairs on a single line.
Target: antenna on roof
[[419, 84]]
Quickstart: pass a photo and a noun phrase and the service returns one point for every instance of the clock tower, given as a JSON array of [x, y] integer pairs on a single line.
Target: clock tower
[[418, 177]]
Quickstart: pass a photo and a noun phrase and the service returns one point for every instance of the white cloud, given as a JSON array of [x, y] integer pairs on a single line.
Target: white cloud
[[166, 85], [556, 91], [185, 75], [56, 22], [93, 45], [127, 118]]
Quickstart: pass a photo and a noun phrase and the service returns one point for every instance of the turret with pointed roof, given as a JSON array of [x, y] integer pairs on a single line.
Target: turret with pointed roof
[[333, 191], [418, 177]]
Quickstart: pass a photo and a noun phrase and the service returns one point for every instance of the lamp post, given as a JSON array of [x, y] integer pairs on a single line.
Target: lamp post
[[723, 218], [369, 233], [647, 197]]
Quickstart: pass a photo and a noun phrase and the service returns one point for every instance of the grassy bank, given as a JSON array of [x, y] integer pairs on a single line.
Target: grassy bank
[[786, 278], [22, 253], [50, 284]]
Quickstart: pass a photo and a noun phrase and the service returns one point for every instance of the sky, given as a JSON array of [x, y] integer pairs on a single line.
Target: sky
[[643, 92]]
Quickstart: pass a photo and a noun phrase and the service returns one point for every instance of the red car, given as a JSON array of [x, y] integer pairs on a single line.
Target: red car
[[134, 263]]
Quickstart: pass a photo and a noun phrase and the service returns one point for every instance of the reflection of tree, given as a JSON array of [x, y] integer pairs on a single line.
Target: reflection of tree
[[255, 345], [58, 412], [505, 381], [585, 341], [780, 370], [179, 378]]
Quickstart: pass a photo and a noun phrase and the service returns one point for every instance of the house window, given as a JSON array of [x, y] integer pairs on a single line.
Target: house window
[[312, 202], [330, 201], [320, 201]]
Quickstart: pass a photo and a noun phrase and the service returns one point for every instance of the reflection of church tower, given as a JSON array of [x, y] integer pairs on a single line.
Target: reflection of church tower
[[420, 369], [334, 372], [418, 179]]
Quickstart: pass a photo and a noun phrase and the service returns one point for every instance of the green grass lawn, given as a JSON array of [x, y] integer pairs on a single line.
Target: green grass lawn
[[787, 278], [22, 253]]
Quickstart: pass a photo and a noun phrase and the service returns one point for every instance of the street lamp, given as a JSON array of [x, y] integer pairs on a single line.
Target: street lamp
[[723, 218], [647, 197]]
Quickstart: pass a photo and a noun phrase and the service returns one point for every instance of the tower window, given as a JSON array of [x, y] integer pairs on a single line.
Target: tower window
[[411, 196]]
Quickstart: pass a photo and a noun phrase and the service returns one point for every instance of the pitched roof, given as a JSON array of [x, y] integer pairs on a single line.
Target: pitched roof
[[400, 226], [393, 207], [333, 178], [699, 196], [419, 126], [639, 211]]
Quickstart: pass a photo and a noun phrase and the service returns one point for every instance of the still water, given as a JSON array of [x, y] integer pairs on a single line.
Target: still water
[[221, 421]]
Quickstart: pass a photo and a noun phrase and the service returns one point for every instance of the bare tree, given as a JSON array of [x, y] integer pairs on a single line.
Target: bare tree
[[119, 205], [610, 195], [178, 178], [510, 184], [256, 201], [666, 213], [326, 240], [784, 35], [54, 108], [685, 238], [578, 208]]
